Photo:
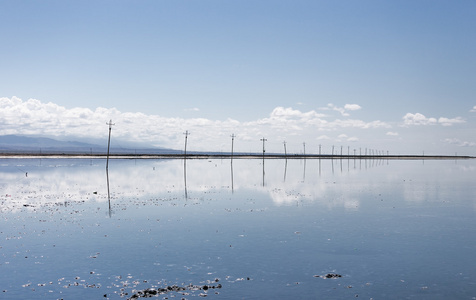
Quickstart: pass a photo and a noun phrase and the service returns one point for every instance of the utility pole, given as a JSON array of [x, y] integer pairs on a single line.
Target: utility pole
[[332, 150], [232, 140], [108, 143], [263, 140], [186, 136], [319, 149], [304, 145], [285, 152]]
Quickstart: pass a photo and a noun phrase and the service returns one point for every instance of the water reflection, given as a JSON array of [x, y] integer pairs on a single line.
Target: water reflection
[[263, 171], [185, 177], [261, 232], [231, 166], [108, 192], [60, 181], [285, 169]]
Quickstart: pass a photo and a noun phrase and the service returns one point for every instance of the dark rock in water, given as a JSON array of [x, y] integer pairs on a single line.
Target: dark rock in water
[[329, 276], [333, 275], [150, 292], [174, 288]]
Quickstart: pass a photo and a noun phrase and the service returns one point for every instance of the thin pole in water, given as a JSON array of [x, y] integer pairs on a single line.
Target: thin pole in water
[[232, 140], [186, 135], [108, 142], [263, 140]]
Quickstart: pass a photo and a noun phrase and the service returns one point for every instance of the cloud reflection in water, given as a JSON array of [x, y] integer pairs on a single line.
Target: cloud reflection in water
[[333, 183]]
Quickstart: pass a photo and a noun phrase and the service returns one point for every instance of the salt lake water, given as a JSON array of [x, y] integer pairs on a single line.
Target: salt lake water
[[240, 229]]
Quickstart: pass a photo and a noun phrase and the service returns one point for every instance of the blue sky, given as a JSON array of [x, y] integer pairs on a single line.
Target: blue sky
[[392, 75]]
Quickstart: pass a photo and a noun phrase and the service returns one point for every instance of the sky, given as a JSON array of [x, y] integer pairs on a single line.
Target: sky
[[396, 76]]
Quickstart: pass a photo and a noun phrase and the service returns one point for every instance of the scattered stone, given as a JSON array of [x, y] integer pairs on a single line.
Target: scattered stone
[[329, 276], [150, 292]]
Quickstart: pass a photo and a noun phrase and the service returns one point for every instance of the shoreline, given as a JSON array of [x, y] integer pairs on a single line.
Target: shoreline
[[229, 156]]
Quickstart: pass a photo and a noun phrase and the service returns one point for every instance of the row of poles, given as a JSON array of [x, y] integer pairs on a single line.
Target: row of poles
[[187, 133], [371, 151]]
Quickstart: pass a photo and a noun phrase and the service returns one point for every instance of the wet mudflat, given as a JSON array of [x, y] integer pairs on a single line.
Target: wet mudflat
[[246, 229]]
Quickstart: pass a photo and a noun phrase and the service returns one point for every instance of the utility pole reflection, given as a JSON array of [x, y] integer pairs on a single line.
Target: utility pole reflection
[[232, 189], [263, 168], [285, 169], [185, 177], [108, 193]]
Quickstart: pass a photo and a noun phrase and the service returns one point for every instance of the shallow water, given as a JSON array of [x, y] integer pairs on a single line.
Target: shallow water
[[393, 229]]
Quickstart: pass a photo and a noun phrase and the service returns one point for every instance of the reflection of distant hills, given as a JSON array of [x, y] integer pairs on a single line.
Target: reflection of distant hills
[[32, 144]]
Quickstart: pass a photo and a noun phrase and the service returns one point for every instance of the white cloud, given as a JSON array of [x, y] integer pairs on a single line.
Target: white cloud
[[342, 110], [345, 137], [33, 117], [358, 124], [281, 112], [352, 107], [448, 122], [457, 142], [474, 109], [419, 119], [392, 133]]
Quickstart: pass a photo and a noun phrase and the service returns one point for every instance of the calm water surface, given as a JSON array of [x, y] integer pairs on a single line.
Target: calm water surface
[[262, 230]]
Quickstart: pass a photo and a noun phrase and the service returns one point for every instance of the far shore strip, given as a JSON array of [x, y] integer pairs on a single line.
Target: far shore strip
[[234, 156]]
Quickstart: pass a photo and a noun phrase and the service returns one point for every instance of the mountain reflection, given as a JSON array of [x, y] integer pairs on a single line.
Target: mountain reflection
[[63, 181]]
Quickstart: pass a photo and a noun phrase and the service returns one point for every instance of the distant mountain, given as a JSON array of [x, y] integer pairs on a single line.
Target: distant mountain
[[12, 141], [35, 144]]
